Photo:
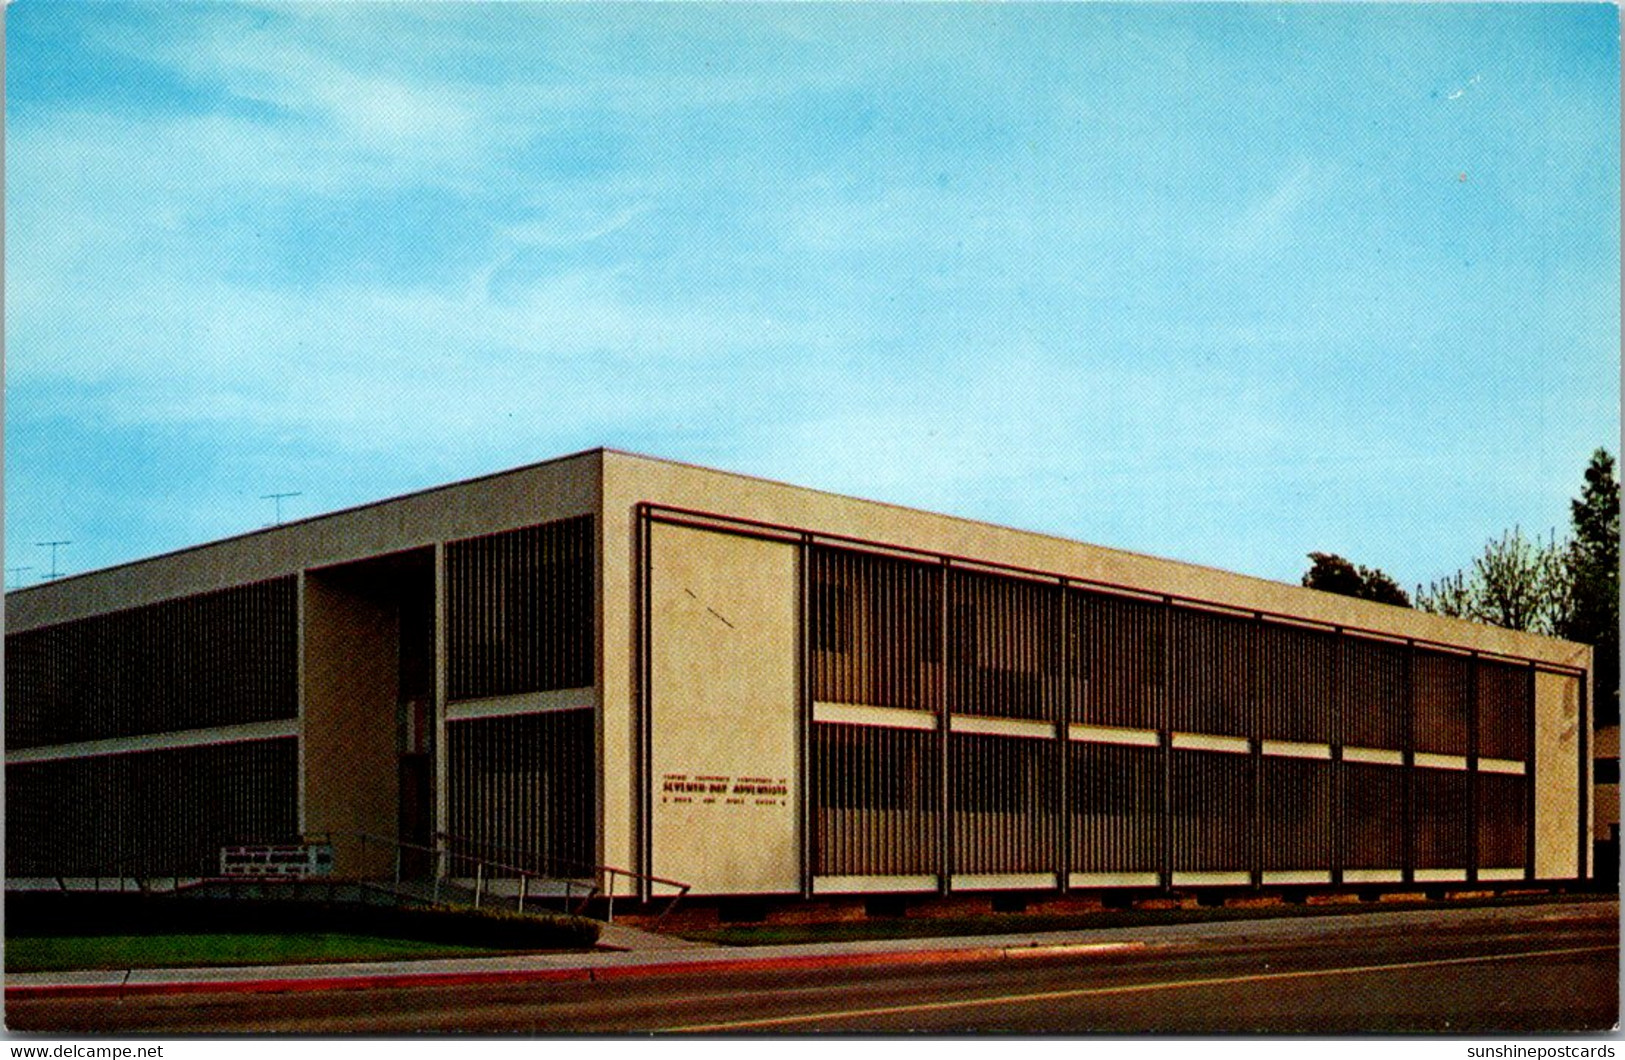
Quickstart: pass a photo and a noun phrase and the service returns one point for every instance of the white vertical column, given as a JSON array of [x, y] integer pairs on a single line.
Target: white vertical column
[[299, 691], [441, 801]]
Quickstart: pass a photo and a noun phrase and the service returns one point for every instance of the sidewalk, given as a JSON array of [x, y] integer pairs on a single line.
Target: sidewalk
[[648, 954]]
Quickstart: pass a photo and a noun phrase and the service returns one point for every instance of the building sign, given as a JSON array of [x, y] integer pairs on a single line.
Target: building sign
[[708, 788], [286, 860]]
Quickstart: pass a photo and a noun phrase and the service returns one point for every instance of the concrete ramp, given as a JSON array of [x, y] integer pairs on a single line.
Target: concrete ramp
[[621, 937]]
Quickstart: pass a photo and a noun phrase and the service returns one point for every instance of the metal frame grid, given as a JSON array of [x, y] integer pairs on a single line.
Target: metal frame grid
[[1039, 652]]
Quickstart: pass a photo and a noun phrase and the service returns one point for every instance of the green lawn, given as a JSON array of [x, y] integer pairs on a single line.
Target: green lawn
[[180, 951], [1023, 923]]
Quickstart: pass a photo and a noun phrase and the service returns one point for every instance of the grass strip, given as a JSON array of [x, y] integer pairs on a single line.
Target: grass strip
[[920, 927], [61, 953]]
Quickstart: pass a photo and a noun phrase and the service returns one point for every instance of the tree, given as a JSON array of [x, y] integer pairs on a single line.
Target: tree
[[1567, 588], [1593, 558], [1332, 573], [1516, 582]]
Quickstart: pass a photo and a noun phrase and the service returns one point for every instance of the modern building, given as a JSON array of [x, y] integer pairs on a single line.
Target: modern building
[[757, 689]]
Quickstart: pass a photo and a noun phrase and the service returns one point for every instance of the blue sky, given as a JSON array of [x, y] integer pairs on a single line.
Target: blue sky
[[1222, 283]]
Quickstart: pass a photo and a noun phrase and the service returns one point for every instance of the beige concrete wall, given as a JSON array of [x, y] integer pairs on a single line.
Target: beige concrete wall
[[629, 479], [1557, 776], [557, 489], [348, 724], [723, 712]]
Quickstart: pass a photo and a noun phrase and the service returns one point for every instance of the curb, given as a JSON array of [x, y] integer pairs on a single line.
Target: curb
[[397, 980]]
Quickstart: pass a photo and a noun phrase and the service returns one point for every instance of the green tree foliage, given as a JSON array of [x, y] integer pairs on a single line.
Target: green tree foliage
[[1516, 582], [1593, 614], [1563, 587], [1332, 573]]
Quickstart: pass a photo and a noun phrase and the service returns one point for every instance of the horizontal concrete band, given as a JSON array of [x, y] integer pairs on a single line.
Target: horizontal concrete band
[[1195, 741], [1439, 875], [1295, 749], [1374, 756], [1213, 878], [899, 718], [1041, 730], [1105, 734], [1501, 874], [1001, 881], [584, 698], [1112, 879], [1373, 875], [158, 741], [863, 714], [864, 884], [1297, 876]]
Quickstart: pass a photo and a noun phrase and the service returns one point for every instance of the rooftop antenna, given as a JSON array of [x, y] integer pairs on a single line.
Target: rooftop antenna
[[277, 497], [15, 570], [53, 546]]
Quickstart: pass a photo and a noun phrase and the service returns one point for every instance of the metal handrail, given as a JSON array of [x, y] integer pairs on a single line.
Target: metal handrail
[[482, 866], [603, 876], [587, 869], [599, 879]]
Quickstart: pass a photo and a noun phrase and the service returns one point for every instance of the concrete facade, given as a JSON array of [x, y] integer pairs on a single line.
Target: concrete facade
[[708, 728]]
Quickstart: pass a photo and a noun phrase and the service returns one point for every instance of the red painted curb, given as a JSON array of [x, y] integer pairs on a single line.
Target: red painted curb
[[808, 963], [429, 979]]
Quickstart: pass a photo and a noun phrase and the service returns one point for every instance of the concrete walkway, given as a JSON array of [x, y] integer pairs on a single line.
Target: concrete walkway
[[622, 937], [670, 956]]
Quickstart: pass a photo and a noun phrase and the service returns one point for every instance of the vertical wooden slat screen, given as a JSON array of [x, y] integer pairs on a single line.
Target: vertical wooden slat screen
[[1296, 683], [874, 801], [1121, 660], [1444, 697], [1295, 820], [155, 813], [1004, 647], [521, 788], [1504, 707], [1115, 800], [1006, 803], [1371, 816], [1372, 693], [1502, 820], [1211, 673], [1211, 810], [520, 610], [875, 630], [223, 658], [1439, 818]]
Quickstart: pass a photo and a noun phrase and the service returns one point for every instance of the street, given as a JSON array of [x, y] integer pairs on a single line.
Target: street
[[1548, 968]]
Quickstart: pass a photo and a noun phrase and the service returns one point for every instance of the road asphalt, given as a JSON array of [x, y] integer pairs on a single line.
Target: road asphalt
[[644, 955]]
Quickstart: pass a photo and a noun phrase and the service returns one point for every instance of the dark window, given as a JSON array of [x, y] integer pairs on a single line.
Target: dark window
[[153, 813], [1607, 770], [874, 794], [875, 626], [966, 637], [520, 610], [222, 658], [521, 790], [832, 618], [1116, 808]]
